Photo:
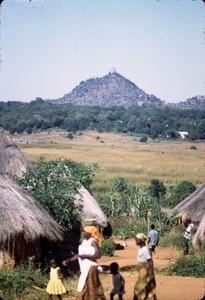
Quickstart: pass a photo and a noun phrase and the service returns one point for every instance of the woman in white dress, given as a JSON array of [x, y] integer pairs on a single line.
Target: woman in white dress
[[145, 285], [89, 286]]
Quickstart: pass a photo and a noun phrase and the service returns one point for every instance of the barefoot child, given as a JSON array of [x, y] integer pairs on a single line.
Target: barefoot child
[[118, 282], [55, 285]]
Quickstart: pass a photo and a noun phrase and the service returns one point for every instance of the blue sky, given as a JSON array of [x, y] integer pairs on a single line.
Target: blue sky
[[49, 46]]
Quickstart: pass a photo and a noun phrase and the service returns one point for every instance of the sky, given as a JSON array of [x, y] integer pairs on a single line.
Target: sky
[[47, 47]]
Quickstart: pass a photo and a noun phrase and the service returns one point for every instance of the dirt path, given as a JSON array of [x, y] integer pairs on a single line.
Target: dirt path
[[168, 287]]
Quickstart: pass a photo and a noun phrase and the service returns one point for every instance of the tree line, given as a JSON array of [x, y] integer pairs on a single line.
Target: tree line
[[19, 117]]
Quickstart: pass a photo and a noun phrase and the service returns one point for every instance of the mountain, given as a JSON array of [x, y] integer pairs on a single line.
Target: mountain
[[197, 102], [110, 90]]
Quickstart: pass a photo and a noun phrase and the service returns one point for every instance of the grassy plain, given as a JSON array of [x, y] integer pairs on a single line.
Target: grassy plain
[[121, 155]]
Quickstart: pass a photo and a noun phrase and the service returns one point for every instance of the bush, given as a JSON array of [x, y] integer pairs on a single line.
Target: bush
[[55, 183], [173, 239], [181, 191], [192, 266], [108, 247], [143, 139], [128, 229], [70, 136], [192, 148], [20, 280], [157, 188]]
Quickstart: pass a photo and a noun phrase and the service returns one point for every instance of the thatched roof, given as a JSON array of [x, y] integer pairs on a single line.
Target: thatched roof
[[193, 207], [91, 208], [12, 160], [21, 214]]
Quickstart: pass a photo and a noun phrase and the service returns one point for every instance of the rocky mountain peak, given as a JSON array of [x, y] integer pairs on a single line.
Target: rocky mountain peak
[[110, 90]]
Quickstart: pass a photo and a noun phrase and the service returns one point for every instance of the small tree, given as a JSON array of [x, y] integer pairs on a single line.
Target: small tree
[[143, 139], [70, 136], [192, 147], [54, 184], [181, 191], [119, 184], [157, 188]]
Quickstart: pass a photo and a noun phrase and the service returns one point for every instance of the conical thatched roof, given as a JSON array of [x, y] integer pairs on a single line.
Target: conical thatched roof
[[12, 160], [21, 214], [193, 207], [91, 208]]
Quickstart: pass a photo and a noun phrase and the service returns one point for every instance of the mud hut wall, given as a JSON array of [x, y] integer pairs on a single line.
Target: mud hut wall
[[20, 250]]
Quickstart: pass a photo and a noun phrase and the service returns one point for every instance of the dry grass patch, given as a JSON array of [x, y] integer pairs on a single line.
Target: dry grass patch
[[119, 155]]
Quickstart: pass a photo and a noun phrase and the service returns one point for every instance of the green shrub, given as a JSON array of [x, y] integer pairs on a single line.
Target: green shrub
[[128, 229], [192, 266], [70, 136], [108, 247], [54, 184], [180, 192], [192, 148], [174, 238], [143, 139], [20, 280]]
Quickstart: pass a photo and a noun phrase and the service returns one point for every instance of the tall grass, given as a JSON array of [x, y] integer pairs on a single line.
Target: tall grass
[[171, 162]]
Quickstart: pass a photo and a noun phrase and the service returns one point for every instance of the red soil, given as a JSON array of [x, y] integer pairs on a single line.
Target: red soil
[[168, 287]]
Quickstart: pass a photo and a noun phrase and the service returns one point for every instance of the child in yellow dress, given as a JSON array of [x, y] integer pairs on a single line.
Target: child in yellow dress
[[55, 285]]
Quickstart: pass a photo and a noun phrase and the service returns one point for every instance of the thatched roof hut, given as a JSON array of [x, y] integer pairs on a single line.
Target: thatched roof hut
[[12, 160], [193, 207], [91, 208], [24, 223]]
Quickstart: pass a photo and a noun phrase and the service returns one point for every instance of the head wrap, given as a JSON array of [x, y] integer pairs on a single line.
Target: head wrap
[[94, 233], [141, 236]]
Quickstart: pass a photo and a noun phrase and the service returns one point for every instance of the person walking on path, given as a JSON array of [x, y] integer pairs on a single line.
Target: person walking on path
[[55, 285], [153, 239], [89, 285], [118, 282], [145, 285]]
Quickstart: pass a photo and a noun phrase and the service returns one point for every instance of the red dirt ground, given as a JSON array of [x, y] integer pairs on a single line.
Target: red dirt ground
[[168, 287]]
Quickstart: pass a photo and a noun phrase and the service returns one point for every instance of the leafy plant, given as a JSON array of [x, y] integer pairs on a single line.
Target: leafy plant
[[108, 247], [54, 184], [18, 281], [157, 188], [181, 191], [192, 148], [143, 139], [70, 136], [172, 238], [192, 266], [128, 229], [132, 202]]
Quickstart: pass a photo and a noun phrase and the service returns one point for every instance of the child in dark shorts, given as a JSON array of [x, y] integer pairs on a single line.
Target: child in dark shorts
[[118, 282]]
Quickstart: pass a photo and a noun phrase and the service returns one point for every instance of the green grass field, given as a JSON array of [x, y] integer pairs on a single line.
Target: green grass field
[[120, 155]]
